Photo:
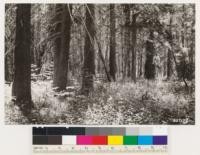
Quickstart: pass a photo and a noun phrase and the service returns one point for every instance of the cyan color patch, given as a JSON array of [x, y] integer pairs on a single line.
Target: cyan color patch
[[145, 140]]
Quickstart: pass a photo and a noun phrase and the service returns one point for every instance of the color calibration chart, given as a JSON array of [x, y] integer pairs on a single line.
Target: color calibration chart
[[98, 140]]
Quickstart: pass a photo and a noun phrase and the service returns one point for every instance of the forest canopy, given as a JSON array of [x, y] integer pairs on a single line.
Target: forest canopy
[[100, 63]]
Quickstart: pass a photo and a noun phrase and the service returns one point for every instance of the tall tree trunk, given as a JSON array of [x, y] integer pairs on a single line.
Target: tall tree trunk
[[112, 61], [192, 43], [149, 66], [21, 89], [89, 54], [37, 41], [183, 27], [98, 59], [122, 52], [165, 63], [141, 66], [62, 43], [99, 66], [127, 41], [169, 64], [169, 53], [9, 42], [133, 43]]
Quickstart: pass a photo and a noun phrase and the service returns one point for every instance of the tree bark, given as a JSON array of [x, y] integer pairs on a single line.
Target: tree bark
[[112, 62], [122, 52], [149, 66], [9, 42], [89, 54], [169, 53], [141, 66], [62, 44], [37, 40], [192, 44], [183, 27], [21, 89], [134, 34], [127, 41], [169, 64]]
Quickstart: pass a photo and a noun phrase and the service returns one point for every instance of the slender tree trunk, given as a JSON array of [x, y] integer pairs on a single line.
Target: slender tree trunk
[[169, 64], [99, 66], [62, 43], [165, 63], [21, 89], [134, 33], [9, 55], [141, 66], [99, 60], [169, 53], [127, 41], [183, 27], [129, 62], [106, 58], [80, 43], [112, 43], [149, 66], [122, 53], [192, 43], [38, 48], [7, 75], [89, 54]]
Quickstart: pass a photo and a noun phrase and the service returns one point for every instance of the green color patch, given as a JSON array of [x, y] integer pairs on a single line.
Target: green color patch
[[130, 140]]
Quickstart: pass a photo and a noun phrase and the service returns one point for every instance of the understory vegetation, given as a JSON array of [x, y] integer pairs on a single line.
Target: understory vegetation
[[146, 102]]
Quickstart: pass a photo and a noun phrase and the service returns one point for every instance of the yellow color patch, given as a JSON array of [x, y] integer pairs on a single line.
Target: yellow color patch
[[115, 140]]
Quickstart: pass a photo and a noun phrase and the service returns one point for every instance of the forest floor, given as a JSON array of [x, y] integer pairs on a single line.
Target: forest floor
[[116, 103]]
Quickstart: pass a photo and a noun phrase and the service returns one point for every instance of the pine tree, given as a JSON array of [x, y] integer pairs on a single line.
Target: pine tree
[[89, 56], [112, 61], [21, 89], [149, 66], [62, 43]]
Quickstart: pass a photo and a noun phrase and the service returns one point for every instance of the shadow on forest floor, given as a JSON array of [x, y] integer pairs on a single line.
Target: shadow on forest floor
[[146, 102]]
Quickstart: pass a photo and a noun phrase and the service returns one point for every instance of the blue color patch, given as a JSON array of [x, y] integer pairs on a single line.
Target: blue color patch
[[145, 140]]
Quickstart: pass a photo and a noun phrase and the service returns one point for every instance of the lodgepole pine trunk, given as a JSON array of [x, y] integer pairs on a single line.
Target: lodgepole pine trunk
[[112, 62], [134, 33], [62, 44], [126, 41], [149, 66], [21, 89], [169, 52], [89, 54]]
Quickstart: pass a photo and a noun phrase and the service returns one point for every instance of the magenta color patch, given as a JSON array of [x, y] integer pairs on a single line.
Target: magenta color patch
[[84, 140]]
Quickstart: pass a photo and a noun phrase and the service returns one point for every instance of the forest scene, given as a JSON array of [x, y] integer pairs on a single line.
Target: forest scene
[[100, 64]]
